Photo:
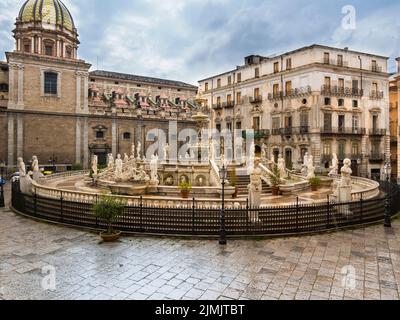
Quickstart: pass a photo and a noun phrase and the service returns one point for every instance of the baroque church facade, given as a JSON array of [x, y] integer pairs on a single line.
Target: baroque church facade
[[52, 106]]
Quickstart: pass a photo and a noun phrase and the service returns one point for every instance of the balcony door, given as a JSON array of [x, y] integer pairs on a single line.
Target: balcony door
[[341, 123], [288, 124], [327, 122], [256, 123], [288, 159], [374, 123]]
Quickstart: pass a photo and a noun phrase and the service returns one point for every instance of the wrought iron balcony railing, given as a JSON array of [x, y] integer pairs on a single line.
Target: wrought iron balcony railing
[[341, 91], [217, 106], [376, 95], [338, 63], [377, 132], [342, 130], [257, 99], [376, 68], [291, 131], [229, 104], [376, 157], [342, 156], [293, 93]]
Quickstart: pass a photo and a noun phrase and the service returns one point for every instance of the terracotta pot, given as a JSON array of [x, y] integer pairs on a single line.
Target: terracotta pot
[[185, 194], [314, 188], [275, 191], [110, 237]]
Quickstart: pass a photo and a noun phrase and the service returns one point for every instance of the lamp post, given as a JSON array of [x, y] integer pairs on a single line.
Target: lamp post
[[223, 176], [2, 183]]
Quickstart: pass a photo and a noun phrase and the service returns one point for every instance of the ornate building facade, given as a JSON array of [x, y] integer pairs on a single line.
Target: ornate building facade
[[394, 123], [316, 99], [52, 106]]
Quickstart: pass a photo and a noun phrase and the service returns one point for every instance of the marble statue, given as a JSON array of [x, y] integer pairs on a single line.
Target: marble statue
[[282, 166], [139, 150], [346, 173], [272, 161], [255, 190], [133, 151], [310, 168], [335, 166], [154, 168], [250, 162], [143, 175], [166, 152], [35, 169], [304, 167], [264, 152], [212, 149], [95, 165], [344, 187], [126, 157], [25, 181], [118, 168], [110, 161]]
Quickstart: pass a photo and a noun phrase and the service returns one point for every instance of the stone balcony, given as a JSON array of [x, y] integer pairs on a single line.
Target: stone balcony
[[342, 130], [290, 94]]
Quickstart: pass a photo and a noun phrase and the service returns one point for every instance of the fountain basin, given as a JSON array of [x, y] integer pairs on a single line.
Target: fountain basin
[[128, 189]]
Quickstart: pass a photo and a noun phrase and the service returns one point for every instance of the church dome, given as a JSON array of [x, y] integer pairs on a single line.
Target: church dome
[[49, 13]]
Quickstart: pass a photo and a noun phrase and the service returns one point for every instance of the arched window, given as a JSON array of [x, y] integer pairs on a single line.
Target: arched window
[[68, 52], [127, 136], [26, 45]]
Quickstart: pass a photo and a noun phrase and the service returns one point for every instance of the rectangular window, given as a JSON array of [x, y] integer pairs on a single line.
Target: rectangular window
[[238, 126], [328, 122], [229, 98], [341, 123], [374, 65], [257, 72], [276, 125], [355, 104], [238, 97], [288, 87], [276, 67], [327, 149], [288, 64], [375, 87], [229, 126], [355, 123], [206, 86], [219, 101], [327, 82], [276, 90], [326, 58], [229, 80], [341, 83], [342, 150], [256, 93], [256, 123], [48, 50], [340, 60], [219, 83], [50, 83], [239, 77], [355, 148]]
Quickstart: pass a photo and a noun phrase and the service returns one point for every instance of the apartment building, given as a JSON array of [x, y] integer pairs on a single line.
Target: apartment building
[[317, 99]]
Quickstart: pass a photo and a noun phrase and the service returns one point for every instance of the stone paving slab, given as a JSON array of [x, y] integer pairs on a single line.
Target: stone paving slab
[[311, 267]]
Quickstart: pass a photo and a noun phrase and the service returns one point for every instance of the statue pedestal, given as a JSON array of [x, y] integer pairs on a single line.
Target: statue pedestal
[[344, 194], [25, 185], [153, 186]]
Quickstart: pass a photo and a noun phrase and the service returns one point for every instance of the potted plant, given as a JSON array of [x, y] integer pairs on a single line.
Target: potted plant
[[275, 179], [233, 183], [185, 189], [109, 209], [315, 183]]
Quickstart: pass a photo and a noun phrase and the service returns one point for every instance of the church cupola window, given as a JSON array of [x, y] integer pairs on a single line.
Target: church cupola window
[[49, 48]]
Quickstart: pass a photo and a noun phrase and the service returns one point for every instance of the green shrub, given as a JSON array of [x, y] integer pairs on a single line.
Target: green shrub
[[184, 186], [316, 182], [275, 177], [109, 209]]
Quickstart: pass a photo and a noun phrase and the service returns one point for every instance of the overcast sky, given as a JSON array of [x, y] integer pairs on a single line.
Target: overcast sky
[[189, 40]]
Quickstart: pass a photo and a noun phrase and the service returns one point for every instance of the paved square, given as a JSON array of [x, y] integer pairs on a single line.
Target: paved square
[[355, 264]]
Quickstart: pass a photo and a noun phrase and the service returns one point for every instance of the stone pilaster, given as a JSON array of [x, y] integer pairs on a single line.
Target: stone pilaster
[[85, 93], [78, 141], [78, 92], [20, 96], [114, 137], [85, 144], [20, 136], [10, 142], [11, 83]]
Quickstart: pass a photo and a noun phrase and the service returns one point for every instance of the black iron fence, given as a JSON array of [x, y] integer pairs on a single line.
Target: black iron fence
[[191, 220]]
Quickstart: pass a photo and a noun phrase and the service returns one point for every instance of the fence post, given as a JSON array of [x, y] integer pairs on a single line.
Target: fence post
[[35, 203], [141, 213], [328, 212], [97, 220], [61, 207], [247, 215], [388, 219], [297, 214], [193, 215], [361, 208]]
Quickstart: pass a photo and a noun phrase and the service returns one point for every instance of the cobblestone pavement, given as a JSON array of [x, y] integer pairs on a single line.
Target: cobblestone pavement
[[312, 267]]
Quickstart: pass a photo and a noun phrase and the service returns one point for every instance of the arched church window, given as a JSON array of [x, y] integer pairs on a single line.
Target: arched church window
[[27, 45], [68, 52]]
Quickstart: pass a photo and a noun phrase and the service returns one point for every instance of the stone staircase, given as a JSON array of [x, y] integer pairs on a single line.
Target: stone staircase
[[242, 182]]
